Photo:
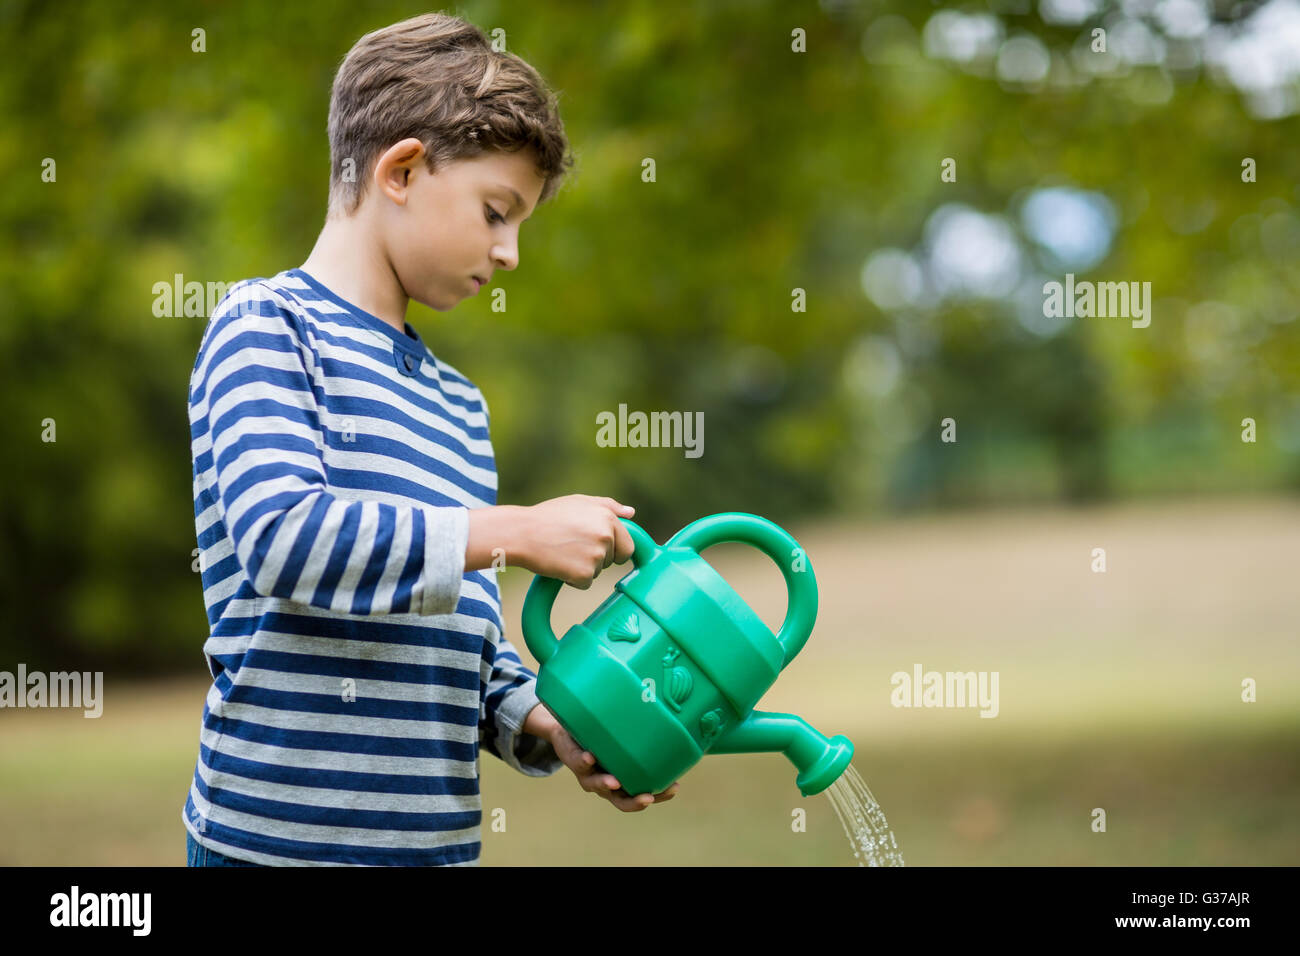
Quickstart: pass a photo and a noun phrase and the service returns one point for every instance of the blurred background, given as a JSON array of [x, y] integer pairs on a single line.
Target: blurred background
[[854, 212]]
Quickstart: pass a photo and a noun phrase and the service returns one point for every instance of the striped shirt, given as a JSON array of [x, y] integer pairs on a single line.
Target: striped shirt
[[357, 666]]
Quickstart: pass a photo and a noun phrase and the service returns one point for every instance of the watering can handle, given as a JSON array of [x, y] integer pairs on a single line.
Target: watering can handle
[[536, 616], [777, 544]]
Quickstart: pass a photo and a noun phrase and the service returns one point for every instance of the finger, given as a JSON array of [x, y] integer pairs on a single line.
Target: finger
[[584, 765], [611, 553], [628, 803], [623, 543], [622, 510], [601, 783]]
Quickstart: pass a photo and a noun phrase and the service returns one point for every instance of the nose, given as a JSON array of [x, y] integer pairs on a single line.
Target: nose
[[506, 255]]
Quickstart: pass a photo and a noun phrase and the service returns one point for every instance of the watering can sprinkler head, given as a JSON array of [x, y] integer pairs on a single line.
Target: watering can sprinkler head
[[670, 666], [837, 753], [835, 759]]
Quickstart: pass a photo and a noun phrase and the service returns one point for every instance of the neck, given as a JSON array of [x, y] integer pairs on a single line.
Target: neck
[[366, 280]]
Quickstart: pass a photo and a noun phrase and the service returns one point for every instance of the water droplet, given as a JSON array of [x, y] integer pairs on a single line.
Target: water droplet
[[864, 823]]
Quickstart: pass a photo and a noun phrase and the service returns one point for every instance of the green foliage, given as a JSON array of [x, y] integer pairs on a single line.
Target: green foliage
[[775, 171]]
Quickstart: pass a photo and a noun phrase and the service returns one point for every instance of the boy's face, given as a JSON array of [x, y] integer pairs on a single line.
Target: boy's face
[[444, 228]]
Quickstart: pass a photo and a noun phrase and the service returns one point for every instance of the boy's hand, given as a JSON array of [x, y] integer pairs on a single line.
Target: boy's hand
[[574, 538], [583, 764]]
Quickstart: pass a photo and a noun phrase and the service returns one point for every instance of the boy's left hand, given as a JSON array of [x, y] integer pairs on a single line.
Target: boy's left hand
[[583, 764]]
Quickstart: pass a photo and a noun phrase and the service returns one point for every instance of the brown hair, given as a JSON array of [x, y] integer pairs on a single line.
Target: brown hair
[[436, 78]]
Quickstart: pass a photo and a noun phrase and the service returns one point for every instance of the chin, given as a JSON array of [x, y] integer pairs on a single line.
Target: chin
[[440, 304]]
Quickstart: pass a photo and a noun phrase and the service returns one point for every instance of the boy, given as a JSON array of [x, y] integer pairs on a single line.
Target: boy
[[345, 490]]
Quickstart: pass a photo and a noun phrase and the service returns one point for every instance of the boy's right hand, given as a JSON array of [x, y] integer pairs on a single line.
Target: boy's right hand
[[574, 538]]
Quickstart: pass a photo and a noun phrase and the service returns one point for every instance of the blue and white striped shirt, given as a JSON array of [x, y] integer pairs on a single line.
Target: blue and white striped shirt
[[357, 667]]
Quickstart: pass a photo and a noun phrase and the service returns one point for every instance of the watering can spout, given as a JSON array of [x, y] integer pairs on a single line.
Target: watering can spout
[[820, 760]]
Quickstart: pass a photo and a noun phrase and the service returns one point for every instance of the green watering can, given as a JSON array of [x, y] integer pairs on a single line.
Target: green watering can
[[670, 666]]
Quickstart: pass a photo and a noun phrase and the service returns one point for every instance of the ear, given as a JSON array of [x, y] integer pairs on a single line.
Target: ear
[[393, 168]]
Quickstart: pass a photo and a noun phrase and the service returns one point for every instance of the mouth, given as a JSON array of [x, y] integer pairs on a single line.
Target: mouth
[[478, 283]]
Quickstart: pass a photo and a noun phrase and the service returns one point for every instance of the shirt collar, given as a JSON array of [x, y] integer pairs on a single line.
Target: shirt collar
[[410, 343]]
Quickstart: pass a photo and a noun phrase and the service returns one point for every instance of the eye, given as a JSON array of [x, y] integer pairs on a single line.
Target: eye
[[499, 218]]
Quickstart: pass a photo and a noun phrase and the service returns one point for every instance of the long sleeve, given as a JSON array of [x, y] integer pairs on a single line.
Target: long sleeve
[[512, 694], [254, 412]]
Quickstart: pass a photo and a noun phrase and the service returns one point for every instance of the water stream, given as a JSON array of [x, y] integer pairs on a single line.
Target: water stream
[[864, 822]]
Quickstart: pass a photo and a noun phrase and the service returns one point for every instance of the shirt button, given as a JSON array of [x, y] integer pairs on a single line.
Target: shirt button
[[410, 363]]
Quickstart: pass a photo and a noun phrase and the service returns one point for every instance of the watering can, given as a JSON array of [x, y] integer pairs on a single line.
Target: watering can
[[670, 666]]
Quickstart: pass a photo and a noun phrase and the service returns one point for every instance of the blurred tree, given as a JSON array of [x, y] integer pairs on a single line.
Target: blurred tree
[[776, 171]]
